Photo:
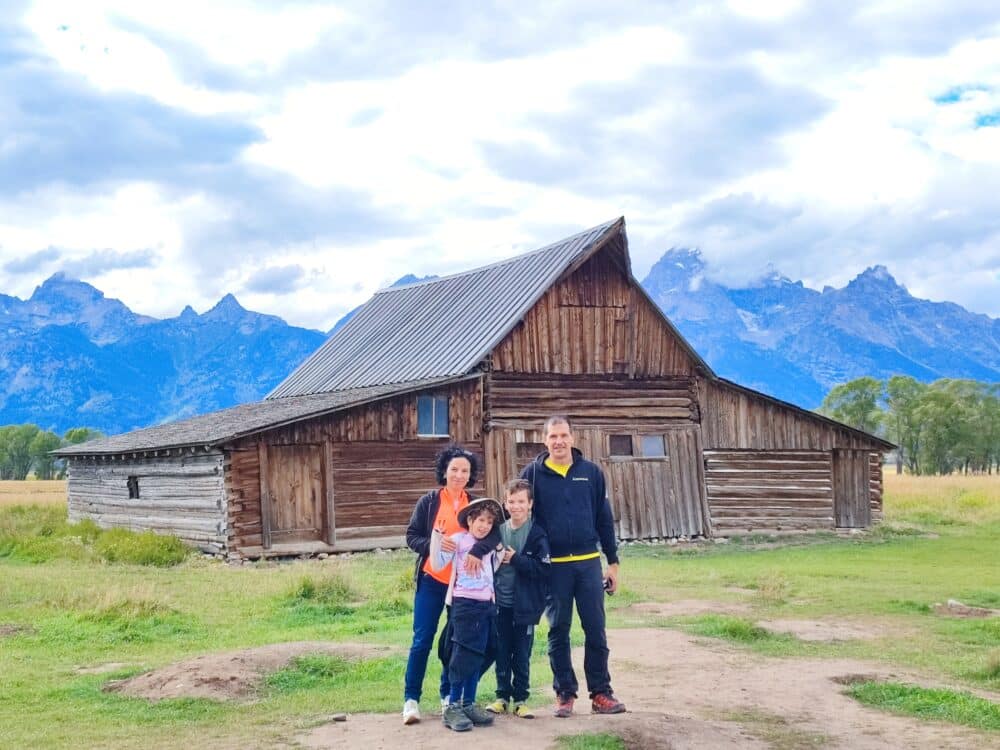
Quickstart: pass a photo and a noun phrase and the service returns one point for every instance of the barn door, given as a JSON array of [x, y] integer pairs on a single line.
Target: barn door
[[660, 496], [294, 494], [852, 489]]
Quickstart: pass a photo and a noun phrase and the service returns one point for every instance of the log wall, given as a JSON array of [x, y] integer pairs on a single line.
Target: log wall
[[733, 418], [378, 465], [179, 493], [593, 322], [876, 486], [769, 490]]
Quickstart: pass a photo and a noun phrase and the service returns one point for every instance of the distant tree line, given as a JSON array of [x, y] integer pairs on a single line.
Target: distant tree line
[[942, 427], [25, 448]]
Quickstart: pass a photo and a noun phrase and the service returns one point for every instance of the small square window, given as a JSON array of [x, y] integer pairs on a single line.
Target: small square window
[[620, 445], [652, 446], [133, 488], [432, 416]]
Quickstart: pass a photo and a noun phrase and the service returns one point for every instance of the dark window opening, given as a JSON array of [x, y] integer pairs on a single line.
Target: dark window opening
[[133, 488], [432, 416], [653, 446], [619, 445]]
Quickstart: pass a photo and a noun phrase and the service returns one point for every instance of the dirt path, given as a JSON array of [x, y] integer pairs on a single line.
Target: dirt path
[[690, 693]]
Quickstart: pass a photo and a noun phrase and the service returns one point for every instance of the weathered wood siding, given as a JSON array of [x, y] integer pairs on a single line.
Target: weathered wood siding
[[852, 489], [378, 467], [660, 497], [733, 418], [525, 400], [769, 490], [593, 322], [179, 493]]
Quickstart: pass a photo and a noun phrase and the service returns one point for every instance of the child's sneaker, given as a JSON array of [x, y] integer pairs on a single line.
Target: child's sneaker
[[606, 703], [499, 706], [411, 712], [477, 716], [455, 719], [564, 706], [522, 711]]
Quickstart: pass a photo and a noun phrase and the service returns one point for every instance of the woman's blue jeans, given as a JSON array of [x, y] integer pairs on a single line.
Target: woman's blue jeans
[[428, 603]]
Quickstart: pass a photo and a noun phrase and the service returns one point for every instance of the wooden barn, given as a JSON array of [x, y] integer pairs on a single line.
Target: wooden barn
[[336, 456]]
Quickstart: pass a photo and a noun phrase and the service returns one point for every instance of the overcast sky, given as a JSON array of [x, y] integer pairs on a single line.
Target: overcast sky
[[302, 155]]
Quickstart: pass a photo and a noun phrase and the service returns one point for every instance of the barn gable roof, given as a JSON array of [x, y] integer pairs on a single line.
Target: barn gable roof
[[443, 327], [219, 427]]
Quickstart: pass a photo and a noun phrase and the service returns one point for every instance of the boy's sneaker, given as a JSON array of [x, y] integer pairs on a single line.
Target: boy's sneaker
[[455, 719], [606, 703], [477, 715], [522, 711], [499, 706], [564, 706], [411, 711]]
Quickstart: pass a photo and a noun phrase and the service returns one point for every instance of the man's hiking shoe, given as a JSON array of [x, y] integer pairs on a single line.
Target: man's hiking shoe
[[499, 706], [606, 703], [564, 707], [455, 719], [477, 715], [522, 711], [411, 712]]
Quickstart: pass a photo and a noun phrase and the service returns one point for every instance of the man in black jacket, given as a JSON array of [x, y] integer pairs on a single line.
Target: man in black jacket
[[571, 503]]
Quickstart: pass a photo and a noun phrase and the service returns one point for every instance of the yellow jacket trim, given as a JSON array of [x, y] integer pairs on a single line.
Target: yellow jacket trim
[[577, 558]]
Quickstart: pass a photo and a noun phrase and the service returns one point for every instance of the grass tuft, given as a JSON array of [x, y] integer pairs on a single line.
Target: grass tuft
[[733, 629], [323, 672], [596, 741], [928, 703], [315, 600], [145, 548]]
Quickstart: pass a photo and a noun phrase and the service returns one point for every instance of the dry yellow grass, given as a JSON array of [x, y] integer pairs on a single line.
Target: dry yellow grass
[[38, 492], [970, 499]]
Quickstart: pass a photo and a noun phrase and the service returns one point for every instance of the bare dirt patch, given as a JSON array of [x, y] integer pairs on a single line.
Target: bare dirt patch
[[826, 630], [687, 693], [953, 608], [690, 607], [231, 675], [9, 630]]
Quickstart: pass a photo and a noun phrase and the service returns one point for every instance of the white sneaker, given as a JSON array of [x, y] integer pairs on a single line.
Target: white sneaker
[[445, 702], [411, 712]]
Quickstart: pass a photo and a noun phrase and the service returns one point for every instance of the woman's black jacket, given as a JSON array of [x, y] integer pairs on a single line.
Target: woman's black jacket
[[418, 533]]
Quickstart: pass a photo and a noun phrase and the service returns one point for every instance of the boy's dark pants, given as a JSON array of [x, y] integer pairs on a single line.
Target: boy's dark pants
[[514, 643], [583, 582], [472, 623]]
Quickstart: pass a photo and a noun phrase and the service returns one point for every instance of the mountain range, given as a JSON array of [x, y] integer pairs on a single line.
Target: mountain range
[[69, 356]]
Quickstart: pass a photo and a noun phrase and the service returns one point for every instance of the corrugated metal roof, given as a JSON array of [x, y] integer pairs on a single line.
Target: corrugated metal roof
[[222, 426], [437, 328]]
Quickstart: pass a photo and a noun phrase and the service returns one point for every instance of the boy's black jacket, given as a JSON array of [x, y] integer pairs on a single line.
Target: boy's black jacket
[[418, 533], [531, 586], [573, 509]]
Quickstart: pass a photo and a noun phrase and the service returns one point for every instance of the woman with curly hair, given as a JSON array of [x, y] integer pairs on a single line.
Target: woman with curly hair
[[456, 470]]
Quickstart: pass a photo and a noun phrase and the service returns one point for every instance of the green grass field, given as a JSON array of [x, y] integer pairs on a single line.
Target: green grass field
[[67, 604]]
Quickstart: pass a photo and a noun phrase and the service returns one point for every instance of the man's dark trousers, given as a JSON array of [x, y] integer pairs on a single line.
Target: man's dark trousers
[[582, 581]]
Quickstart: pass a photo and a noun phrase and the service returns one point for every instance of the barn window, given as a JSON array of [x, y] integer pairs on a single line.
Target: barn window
[[652, 446], [619, 445], [133, 488], [432, 416]]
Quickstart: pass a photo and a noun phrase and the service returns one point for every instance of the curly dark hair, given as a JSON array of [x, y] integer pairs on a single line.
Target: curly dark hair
[[444, 458]]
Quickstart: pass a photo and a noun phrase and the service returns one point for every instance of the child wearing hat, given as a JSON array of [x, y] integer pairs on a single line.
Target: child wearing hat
[[472, 610]]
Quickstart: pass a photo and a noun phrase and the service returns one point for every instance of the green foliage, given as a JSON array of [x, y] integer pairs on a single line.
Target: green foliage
[[77, 435], [322, 672], [133, 619], [856, 404], [319, 599], [140, 548], [926, 703], [949, 425]]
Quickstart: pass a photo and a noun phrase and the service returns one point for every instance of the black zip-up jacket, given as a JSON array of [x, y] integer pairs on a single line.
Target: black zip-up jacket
[[573, 509], [418, 533], [531, 584]]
